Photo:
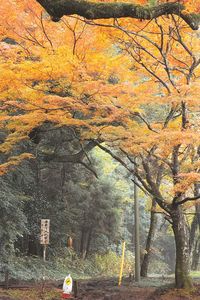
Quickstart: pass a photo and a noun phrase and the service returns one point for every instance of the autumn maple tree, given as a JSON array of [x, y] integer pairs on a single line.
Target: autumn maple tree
[[129, 83]]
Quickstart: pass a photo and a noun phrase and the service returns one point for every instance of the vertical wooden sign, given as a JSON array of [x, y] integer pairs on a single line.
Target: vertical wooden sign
[[44, 236]]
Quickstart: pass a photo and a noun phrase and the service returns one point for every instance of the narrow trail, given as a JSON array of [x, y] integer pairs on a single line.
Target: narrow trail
[[102, 289], [148, 289]]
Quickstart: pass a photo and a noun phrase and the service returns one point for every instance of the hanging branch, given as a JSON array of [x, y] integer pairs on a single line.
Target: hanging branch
[[101, 10]]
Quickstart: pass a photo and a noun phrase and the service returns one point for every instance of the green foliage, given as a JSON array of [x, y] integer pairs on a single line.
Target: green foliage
[[33, 268], [152, 2], [158, 266], [12, 222], [109, 264], [69, 195], [195, 274], [75, 202]]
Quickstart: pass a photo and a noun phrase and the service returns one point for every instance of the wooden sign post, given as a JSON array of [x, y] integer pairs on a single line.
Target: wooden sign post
[[44, 236]]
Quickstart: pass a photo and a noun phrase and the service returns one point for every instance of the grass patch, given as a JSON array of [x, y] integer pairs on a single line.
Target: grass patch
[[31, 294], [195, 274]]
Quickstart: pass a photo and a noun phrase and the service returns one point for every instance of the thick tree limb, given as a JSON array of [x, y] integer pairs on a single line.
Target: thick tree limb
[[76, 158], [188, 199], [101, 10], [69, 158]]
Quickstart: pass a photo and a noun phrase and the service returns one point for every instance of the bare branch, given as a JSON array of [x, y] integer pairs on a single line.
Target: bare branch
[[141, 117], [188, 199], [89, 168]]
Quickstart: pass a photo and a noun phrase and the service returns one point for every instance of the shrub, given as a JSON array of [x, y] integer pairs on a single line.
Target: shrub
[[109, 263]]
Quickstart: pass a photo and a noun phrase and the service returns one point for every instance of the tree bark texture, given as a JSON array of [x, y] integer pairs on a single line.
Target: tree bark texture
[[82, 241], [101, 10], [6, 279], [195, 233], [89, 239], [181, 234], [194, 228], [150, 237], [196, 255], [195, 239]]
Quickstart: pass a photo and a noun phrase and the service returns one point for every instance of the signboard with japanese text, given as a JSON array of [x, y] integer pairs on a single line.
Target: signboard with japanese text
[[44, 236]]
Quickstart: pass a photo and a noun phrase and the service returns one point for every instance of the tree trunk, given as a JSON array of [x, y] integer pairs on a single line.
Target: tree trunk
[[82, 242], [88, 242], [195, 240], [6, 279], [193, 229], [150, 237], [195, 226], [32, 245], [196, 255], [181, 235], [195, 232]]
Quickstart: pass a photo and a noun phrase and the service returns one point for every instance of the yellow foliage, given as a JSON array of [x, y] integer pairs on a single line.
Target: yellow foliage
[[186, 181], [107, 74], [13, 162]]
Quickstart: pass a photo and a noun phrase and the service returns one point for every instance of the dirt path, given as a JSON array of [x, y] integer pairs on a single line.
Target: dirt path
[[123, 293], [104, 289], [147, 290]]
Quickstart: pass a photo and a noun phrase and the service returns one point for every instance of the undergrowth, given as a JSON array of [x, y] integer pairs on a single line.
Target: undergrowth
[[67, 262]]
